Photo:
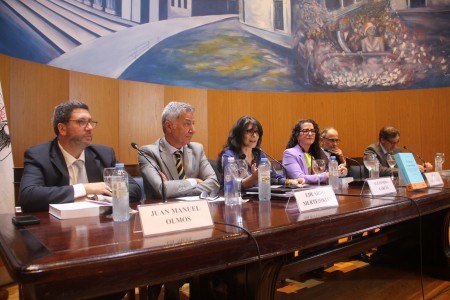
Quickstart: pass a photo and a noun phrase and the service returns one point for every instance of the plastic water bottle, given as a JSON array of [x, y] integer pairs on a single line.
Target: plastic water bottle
[[333, 173], [264, 179], [438, 160], [121, 198], [230, 173]]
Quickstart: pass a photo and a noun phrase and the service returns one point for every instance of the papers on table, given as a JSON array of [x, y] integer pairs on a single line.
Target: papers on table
[[193, 198]]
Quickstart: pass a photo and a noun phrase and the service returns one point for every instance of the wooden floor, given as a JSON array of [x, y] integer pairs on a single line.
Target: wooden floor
[[354, 279]]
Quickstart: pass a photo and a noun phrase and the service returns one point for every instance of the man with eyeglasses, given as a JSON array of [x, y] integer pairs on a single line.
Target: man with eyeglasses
[[69, 168], [388, 140], [330, 144]]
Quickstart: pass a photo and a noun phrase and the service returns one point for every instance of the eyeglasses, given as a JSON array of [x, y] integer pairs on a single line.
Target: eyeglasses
[[393, 143], [333, 140], [252, 132], [83, 123], [306, 131]]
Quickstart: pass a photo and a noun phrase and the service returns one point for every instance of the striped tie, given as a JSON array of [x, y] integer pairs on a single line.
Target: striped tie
[[180, 168]]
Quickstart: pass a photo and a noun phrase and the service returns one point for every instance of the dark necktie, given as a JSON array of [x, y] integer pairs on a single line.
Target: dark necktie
[[179, 165]]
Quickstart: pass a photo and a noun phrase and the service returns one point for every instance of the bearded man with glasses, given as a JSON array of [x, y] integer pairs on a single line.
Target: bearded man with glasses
[[69, 167]]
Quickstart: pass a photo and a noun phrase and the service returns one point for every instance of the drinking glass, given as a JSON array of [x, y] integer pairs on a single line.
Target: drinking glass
[[242, 172], [369, 162], [318, 166], [391, 161], [107, 174], [322, 166]]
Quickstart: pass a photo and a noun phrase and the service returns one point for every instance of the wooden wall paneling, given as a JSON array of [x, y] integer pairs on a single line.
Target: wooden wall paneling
[[197, 98], [345, 109], [407, 120], [140, 107], [35, 90], [443, 95], [224, 109], [286, 111], [432, 119], [365, 129], [102, 96]]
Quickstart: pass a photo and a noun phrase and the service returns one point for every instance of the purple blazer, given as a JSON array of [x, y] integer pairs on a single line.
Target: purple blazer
[[295, 163]]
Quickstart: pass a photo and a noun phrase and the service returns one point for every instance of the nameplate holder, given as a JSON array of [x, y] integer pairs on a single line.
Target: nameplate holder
[[434, 179], [316, 198], [381, 186], [175, 216]]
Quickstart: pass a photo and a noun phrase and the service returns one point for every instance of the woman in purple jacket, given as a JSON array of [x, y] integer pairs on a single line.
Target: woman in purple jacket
[[302, 148]]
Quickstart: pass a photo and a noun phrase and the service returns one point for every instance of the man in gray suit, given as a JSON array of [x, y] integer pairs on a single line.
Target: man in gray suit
[[188, 174], [185, 173]]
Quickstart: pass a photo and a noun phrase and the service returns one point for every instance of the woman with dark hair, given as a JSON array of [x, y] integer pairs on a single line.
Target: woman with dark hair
[[244, 141], [302, 148]]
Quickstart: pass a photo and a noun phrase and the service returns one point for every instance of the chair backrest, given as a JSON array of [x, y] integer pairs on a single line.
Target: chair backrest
[[219, 175]]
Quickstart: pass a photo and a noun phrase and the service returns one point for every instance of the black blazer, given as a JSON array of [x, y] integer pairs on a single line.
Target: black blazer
[[45, 176]]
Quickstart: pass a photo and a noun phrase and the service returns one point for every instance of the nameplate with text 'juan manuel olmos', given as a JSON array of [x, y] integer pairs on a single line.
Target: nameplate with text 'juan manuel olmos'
[[174, 216], [316, 198]]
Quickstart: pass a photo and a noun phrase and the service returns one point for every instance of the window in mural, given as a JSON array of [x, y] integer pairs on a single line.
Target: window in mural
[[264, 45], [279, 20]]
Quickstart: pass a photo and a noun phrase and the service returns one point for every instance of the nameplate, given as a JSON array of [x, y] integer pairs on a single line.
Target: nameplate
[[434, 179], [174, 216], [381, 186], [178, 238], [316, 198]]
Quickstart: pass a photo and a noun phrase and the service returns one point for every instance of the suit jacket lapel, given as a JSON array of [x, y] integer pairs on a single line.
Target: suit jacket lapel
[[92, 166], [167, 160], [187, 161], [303, 164], [57, 159]]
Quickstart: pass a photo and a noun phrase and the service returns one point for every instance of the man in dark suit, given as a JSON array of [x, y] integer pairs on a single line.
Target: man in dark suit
[[388, 139], [69, 167]]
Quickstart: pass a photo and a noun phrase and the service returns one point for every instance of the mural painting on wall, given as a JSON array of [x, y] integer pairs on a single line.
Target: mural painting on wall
[[261, 45]]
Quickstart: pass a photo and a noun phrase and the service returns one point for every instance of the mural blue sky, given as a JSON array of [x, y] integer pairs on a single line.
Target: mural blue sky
[[261, 45]]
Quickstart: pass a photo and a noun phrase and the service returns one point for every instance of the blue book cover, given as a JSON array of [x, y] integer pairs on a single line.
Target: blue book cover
[[408, 168]]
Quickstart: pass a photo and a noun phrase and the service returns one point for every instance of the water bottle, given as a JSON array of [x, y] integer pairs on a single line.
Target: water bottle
[[438, 163], [230, 173], [264, 179], [333, 173], [121, 198]]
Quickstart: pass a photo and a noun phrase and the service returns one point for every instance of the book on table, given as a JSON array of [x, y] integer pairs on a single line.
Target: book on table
[[74, 210], [409, 170]]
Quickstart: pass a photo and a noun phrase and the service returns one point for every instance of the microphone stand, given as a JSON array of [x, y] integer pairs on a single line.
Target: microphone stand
[[361, 180], [275, 160], [143, 154], [423, 160]]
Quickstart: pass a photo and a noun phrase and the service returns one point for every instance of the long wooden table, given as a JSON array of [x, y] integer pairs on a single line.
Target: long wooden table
[[86, 257]]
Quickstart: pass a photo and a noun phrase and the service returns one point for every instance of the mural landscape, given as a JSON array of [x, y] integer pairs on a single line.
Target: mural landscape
[[297, 45]]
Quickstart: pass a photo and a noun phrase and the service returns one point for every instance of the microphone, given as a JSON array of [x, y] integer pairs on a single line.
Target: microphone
[[359, 182], [423, 160], [275, 160], [143, 154]]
